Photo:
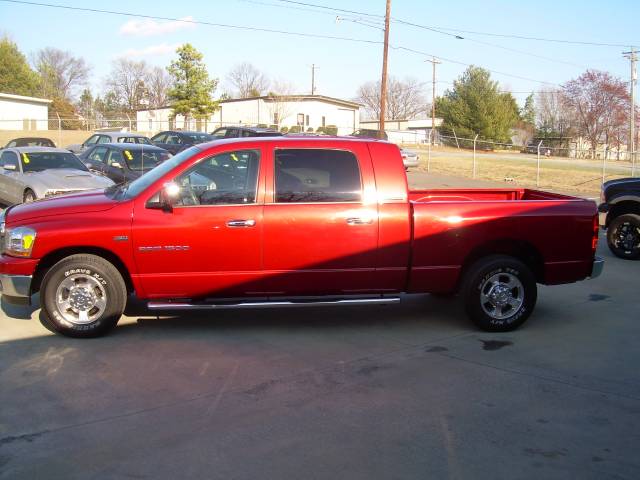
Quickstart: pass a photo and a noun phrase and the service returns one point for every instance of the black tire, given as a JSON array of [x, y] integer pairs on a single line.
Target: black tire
[[515, 299], [623, 236], [92, 279], [29, 196]]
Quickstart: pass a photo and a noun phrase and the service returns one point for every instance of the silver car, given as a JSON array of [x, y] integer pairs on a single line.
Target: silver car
[[30, 173], [109, 137], [409, 158]]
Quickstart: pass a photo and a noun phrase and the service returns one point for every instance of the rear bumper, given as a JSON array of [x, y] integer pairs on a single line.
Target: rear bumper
[[603, 209], [598, 266]]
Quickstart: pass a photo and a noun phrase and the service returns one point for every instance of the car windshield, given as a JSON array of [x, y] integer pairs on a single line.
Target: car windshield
[[200, 137], [134, 188], [140, 140], [39, 161], [144, 160]]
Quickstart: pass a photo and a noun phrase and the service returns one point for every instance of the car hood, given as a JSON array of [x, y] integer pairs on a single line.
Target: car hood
[[85, 202], [68, 179], [622, 182]]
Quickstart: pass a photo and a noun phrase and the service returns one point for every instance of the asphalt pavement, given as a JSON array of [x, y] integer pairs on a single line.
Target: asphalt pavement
[[376, 392]]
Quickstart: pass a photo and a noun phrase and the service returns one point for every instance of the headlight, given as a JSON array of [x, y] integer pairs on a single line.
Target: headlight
[[19, 241]]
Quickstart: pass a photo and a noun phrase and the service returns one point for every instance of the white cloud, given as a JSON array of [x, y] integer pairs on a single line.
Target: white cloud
[[147, 27], [150, 51]]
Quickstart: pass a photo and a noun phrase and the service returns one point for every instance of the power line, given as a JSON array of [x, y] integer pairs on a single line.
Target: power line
[[443, 29], [195, 22], [265, 30], [432, 29]]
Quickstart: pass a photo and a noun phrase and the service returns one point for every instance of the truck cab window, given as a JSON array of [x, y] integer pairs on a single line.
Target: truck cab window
[[229, 178], [316, 175]]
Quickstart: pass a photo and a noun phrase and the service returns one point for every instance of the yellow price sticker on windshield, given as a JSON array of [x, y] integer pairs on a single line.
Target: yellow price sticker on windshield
[[128, 155], [25, 158], [234, 157]]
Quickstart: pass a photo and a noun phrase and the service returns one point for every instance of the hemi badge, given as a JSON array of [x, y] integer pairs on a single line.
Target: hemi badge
[[120, 238]]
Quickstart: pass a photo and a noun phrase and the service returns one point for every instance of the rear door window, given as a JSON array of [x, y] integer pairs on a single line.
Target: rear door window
[[316, 175]]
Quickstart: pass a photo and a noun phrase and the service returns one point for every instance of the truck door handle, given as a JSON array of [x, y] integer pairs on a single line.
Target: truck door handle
[[359, 221], [240, 223]]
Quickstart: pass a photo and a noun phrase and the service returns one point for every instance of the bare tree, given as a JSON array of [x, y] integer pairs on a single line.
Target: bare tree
[[552, 117], [405, 99], [127, 82], [280, 106], [158, 84], [248, 80], [61, 73], [599, 103]]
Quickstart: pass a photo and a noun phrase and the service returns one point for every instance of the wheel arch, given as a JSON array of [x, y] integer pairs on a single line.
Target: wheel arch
[[55, 256], [518, 249], [621, 206]]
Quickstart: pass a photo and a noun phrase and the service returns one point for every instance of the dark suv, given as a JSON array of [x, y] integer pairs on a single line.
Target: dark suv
[[236, 132], [370, 133], [175, 141], [620, 215]]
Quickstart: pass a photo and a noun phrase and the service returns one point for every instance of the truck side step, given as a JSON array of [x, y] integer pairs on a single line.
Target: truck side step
[[279, 303]]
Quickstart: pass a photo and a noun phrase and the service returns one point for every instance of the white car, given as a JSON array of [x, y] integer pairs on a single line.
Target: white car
[[109, 137], [31, 173], [409, 158]]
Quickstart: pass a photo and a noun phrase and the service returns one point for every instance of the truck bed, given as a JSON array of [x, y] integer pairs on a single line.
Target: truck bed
[[453, 226], [486, 194]]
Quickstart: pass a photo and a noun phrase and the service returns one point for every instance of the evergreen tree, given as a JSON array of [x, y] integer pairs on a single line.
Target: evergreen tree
[[192, 91], [476, 106]]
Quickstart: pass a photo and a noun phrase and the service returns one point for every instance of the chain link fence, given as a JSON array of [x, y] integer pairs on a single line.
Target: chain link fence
[[573, 167]]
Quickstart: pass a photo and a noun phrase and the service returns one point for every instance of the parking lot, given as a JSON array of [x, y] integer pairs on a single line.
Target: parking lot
[[408, 391]]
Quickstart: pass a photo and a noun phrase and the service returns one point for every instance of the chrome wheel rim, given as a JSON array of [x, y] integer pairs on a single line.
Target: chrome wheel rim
[[627, 237], [501, 295], [81, 299]]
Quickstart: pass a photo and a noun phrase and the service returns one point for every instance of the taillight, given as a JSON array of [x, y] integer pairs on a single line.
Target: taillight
[[596, 231]]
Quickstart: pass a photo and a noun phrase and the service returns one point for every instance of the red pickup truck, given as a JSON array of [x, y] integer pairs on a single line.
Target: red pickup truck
[[275, 222]]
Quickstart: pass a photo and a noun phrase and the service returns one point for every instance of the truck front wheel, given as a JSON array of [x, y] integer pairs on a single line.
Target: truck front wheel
[[499, 293], [82, 296], [623, 236]]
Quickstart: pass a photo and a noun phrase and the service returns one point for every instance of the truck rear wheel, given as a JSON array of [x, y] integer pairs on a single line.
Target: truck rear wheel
[[83, 296], [500, 293], [623, 236]]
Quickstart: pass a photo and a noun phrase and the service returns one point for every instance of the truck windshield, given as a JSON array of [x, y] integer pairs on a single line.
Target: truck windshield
[[39, 161], [144, 160], [137, 186]]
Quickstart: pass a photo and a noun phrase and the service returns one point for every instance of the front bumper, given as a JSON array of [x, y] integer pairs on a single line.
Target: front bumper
[[598, 266], [15, 279], [16, 289]]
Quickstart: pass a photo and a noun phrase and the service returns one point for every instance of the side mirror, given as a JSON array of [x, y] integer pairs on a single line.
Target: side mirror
[[116, 165], [166, 198], [10, 167]]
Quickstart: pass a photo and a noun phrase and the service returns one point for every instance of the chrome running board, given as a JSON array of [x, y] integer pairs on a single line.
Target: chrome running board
[[303, 302]]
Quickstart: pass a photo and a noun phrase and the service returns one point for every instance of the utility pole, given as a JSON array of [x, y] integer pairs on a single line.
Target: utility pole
[[313, 79], [434, 61], [631, 55], [383, 83]]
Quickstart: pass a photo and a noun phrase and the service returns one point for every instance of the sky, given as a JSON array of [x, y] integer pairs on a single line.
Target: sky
[[519, 65]]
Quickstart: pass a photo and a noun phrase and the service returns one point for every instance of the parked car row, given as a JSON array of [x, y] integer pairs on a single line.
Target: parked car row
[[31, 173]]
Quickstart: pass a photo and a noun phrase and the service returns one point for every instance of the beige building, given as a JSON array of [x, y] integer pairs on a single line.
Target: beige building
[[23, 113], [305, 111]]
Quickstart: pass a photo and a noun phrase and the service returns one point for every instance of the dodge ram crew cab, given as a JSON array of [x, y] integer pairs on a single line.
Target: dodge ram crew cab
[[275, 222]]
